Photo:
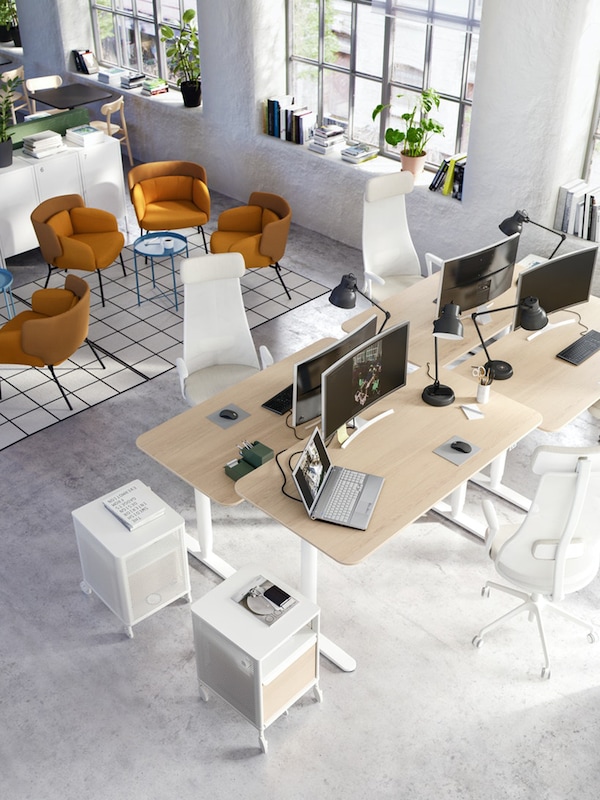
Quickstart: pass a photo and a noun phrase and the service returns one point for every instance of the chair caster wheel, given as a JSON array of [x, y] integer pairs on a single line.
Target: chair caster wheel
[[592, 637], [477, 641], [485, 591], [546, 672]]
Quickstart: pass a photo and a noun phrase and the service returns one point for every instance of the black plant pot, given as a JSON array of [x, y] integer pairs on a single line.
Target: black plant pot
[[5, 33], [6, 153], [191, 91], [15, 35]]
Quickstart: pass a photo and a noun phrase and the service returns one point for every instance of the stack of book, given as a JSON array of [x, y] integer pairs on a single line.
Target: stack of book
[[357, 153], [325, 137], [132, 80], [577, 209], [450, 175], [152, 86], [111, 75], [135, 505], [42, 144], [84, 135], [276, 107]]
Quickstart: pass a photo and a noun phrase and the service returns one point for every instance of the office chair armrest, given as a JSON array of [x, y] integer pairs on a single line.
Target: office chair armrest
[[51, 302], [371, 276], [93, 220], [433, 263], [266, 359], [243, 218], [183, 373], [493, 525]]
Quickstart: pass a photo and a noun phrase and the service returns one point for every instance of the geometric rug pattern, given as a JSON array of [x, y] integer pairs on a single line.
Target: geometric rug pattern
[[146, 336]]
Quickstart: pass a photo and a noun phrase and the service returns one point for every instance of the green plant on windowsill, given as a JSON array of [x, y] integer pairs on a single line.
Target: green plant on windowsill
[[8, 14], [419, 127], [183, 53]]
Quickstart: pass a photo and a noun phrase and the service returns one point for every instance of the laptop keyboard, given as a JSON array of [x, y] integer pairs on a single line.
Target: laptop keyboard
[[343, 498], [582, 348]]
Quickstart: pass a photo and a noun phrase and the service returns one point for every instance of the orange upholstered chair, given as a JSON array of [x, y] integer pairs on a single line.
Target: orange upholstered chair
[[72, 236], [258, 231], [170, 195], [54, 328]]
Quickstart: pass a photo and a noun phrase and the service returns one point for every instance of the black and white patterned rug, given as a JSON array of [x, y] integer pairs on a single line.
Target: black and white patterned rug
[[146, 337]]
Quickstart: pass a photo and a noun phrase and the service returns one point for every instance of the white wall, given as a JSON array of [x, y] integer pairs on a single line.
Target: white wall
[[535, 85]]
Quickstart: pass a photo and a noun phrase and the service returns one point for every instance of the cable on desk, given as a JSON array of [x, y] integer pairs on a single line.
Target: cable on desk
[[287, 494], [291, 427]]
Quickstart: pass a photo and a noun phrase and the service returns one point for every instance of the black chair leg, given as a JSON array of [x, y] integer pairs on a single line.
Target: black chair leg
[[95, 352], [100, 284], [123, 265], [201, 230], [62, 391], [48, 276], [277, 269]]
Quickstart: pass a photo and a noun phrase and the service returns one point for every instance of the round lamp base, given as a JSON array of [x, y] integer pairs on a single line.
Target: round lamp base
[[438, 395], [499, 370]]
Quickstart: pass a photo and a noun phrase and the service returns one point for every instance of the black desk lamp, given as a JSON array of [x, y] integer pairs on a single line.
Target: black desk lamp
[[514, 224], [447, 326], [533, 318], [344, 296]]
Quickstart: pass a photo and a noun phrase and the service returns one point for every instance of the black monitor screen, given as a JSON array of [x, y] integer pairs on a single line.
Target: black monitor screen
[[558, 283], [477, 278], [363, 377], [306, 396]]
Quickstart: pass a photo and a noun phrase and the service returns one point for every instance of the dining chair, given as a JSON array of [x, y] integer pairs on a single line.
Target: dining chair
[[555, 550], [43, 82], [118, 130], [19, 96]]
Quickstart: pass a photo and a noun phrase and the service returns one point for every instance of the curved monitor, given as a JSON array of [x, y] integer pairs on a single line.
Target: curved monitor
[[559, 282], [363, 377], [306, 388], [472, 280]]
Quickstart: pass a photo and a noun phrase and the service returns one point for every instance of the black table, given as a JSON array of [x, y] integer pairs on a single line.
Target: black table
[[70, 95]]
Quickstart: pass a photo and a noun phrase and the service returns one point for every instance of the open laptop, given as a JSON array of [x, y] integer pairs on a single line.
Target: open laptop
[[334, 494]]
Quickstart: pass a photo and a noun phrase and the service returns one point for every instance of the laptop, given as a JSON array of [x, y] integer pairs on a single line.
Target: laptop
[[334, 494]]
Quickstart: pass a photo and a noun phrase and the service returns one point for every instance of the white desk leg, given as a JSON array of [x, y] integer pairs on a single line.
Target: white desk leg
[[202, 547], [494, 484], [308, 587]]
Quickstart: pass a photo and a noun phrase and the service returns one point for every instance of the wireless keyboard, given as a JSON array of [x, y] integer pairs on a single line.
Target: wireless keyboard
[[280, 403], [582, 348]]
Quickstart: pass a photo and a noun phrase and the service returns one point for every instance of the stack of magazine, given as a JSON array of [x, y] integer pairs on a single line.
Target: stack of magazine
[[84, 135], [357, 153], [42, 144], [135, 505]]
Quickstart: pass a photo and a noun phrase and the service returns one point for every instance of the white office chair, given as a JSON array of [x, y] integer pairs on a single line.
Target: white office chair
[[390, 260], [218, 350], [556, 549], [33, 85]]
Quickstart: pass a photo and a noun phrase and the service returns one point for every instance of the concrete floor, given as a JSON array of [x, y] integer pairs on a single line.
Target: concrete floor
[[89, 713]]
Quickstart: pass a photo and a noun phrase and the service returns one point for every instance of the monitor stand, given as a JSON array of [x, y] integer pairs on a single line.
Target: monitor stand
[[360, 425], [549, 327]]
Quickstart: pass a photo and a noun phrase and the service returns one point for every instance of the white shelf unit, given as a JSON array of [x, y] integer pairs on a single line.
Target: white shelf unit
[[260, 670], [135, 573]]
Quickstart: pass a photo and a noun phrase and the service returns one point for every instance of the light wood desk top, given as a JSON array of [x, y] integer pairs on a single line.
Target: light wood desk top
[[418, 304], [399, 448], [196, 449], [558, 390]]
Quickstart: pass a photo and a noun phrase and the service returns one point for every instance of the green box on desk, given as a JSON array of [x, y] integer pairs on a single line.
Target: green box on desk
[[258, 454], [239, 469]]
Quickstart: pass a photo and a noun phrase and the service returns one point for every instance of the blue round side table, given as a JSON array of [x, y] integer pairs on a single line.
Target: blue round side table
[[6, 282]]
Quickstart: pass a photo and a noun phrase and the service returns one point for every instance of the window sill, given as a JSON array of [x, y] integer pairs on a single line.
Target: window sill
[[170, 98]]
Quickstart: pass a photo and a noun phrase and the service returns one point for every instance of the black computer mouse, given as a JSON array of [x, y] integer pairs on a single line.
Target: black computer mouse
[[462, 447], [229, 413]]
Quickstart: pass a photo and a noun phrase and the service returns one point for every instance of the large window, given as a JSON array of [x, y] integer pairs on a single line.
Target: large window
[[346, 56], [127, 33]]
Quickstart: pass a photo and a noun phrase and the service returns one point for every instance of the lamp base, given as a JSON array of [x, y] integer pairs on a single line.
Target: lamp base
[[499, 370], [438, 395]]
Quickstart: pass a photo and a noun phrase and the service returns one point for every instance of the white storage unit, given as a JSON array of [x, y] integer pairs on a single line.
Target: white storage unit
[[260, 669], [95, 172], [134, 572]]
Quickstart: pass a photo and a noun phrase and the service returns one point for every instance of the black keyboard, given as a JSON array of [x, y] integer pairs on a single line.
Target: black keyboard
[[582, 348], [280, 403]]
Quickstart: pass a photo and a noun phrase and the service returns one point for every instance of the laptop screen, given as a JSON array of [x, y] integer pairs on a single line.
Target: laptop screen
[[311, 469]]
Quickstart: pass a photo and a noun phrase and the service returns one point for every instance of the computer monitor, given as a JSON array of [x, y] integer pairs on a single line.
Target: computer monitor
[[474, 279], [559, 282], [362, 377], [306, 387]]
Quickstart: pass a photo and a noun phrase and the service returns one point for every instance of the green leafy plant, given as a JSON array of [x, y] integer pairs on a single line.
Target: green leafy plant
[[6, 90], [418, 126], [183, 50], [8, 14]]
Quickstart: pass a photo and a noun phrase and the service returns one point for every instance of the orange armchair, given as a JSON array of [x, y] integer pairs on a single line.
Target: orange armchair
[[72, 236], [170, 195], [54, 328], [258, 231]]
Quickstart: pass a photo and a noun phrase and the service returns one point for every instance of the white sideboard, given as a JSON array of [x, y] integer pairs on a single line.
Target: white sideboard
[[94, 172]]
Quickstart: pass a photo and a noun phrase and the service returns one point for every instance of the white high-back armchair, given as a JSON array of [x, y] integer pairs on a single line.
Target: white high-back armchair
[[390, 260], [218, 350], [556, 549]]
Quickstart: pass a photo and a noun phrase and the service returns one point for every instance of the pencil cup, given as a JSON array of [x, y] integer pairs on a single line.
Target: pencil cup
[[483, 392]]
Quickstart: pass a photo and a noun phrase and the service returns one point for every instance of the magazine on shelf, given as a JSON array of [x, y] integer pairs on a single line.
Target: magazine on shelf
[[84, 135], [135, 504]]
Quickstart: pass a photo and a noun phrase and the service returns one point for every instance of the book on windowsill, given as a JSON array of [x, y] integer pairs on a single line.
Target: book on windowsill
[[135, 505], [357, 153], [84, 135], [152, 86], [111, 75], [316, 147], [132, 81]]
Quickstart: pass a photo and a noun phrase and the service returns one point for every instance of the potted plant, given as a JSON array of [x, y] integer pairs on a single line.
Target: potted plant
[[6, 90], [183, 53], [418, 130], [9, 22]]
